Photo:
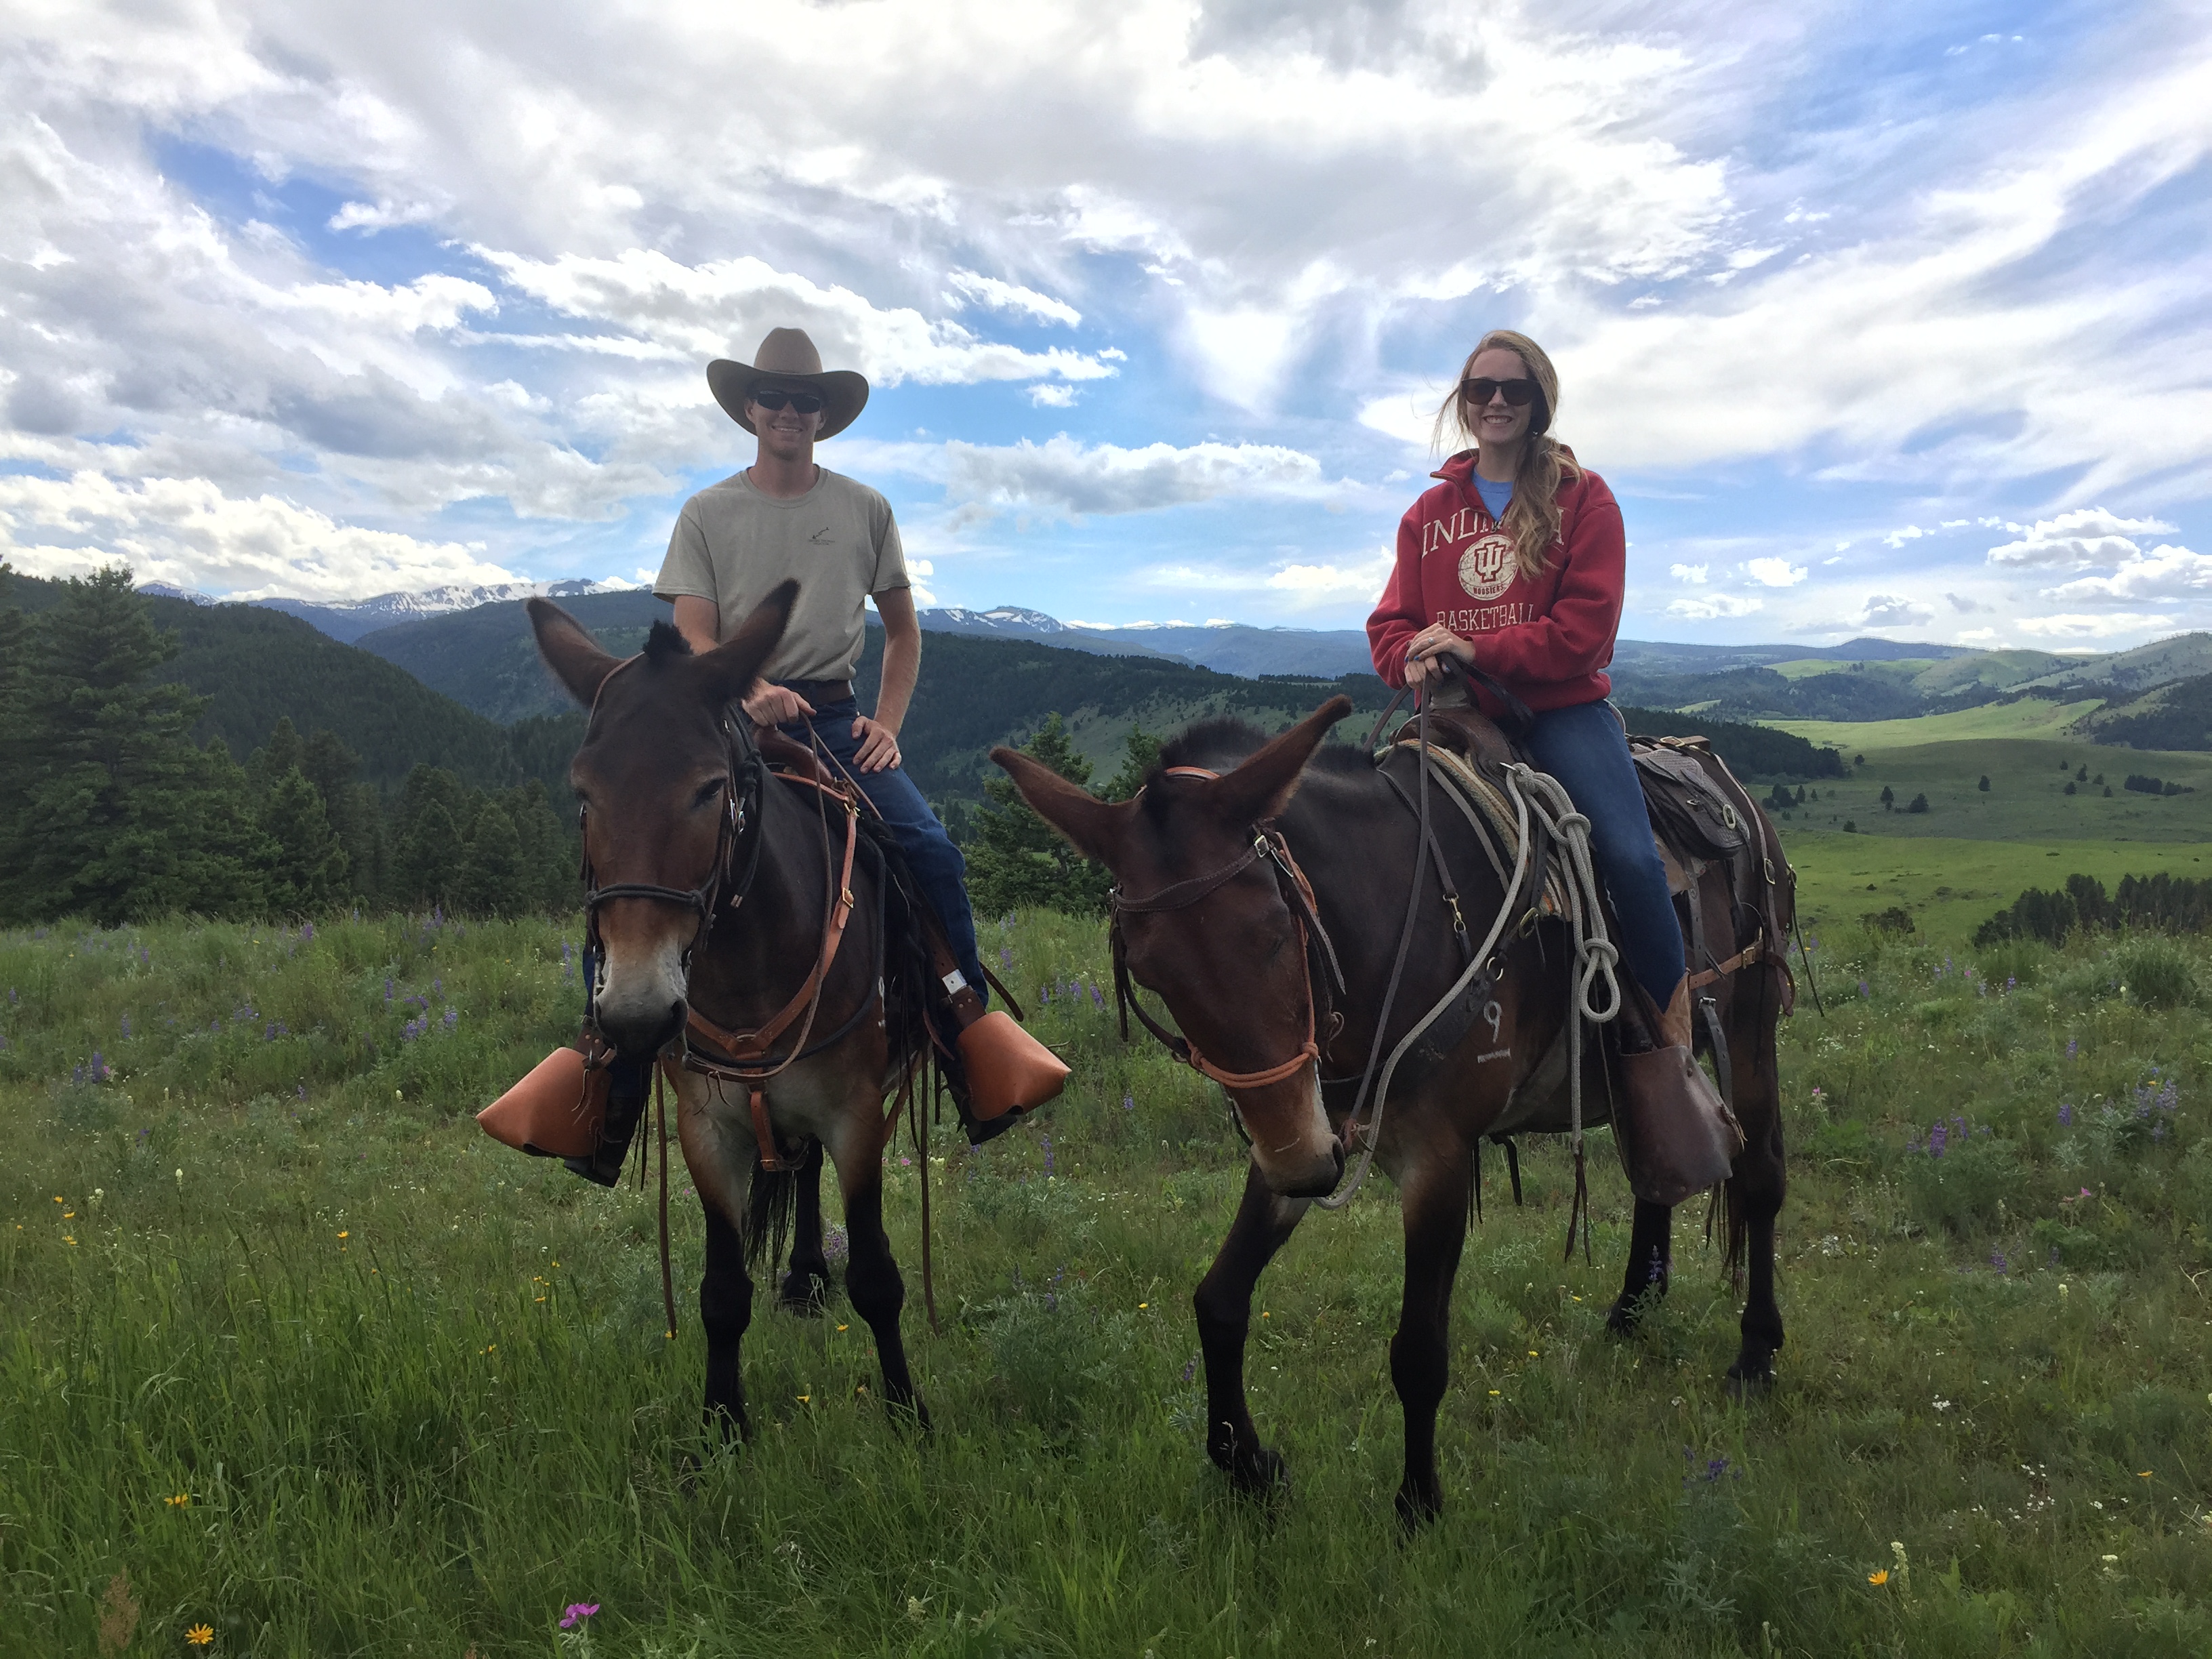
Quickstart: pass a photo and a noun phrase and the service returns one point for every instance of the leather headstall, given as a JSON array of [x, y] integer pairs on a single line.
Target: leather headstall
[[1316, 949]]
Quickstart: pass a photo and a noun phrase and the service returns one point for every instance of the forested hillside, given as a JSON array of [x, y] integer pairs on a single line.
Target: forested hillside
[[252, 667], [486, 659]]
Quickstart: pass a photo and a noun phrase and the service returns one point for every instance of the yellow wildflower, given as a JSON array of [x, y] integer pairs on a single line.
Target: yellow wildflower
[[200, 1635], [178, 1501], [1878, 1579]]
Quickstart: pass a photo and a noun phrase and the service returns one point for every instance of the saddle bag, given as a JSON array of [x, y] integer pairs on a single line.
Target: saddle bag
[[1686, 808]]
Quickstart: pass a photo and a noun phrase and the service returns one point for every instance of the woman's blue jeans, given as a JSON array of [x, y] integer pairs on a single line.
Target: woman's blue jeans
[[939, 869], [1584, 748]]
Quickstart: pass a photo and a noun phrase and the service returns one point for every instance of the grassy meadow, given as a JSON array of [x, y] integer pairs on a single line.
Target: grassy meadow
[[298, 1362]]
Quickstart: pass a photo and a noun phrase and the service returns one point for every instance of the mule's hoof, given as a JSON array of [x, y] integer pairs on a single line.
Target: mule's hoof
[[1751, 1378], [1418, 1505], [806, 1294], [913, 1409], [1261, 1473], [1624, 1317]]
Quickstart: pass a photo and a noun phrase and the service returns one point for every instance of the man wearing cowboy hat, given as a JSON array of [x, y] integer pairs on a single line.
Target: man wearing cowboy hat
[[786, 517]]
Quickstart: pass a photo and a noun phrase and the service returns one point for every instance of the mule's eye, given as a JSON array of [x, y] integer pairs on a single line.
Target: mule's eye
[[708, 792]]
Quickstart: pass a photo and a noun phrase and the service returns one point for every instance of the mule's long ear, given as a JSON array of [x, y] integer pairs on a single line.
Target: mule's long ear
[[569, 650], [1093, 827], [735, 664], [1263, 785]]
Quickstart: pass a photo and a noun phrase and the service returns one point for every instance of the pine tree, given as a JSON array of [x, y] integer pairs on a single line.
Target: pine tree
[[305, 862], [428, 857], [1016, 860], [549, 851], [490, 881], [107, 784], [1140, 754]]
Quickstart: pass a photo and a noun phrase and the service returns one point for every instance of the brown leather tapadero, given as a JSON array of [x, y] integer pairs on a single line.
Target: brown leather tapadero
[[1676, 1135], [554, 1112], [1008, 1070]]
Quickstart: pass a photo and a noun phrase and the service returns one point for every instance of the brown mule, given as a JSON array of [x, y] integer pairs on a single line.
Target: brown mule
[[1213, 931]]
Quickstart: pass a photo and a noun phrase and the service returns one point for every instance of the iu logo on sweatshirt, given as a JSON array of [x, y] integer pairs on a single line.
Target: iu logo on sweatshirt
[[1486, 566]]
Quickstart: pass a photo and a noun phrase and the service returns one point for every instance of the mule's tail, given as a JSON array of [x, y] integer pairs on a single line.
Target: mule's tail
[[768, 1216]]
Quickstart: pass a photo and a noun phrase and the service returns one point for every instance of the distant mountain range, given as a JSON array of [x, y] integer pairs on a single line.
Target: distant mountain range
[[349, 620]]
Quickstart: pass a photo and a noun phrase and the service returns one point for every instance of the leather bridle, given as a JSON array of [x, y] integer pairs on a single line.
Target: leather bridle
[[741, 811], [1271, 844]]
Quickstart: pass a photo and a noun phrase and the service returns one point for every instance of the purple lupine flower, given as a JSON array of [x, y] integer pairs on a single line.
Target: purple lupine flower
[[2158, 1130], [307, 933], [2065, 1116], [1997, 1261], [1006, 955], [2169, 1096], [437, 988], [387, 987], [1044, 993], [99, 1067], [2012, 982], [437, 915], [1128, 1103], [452, 1018], [302, 1093], [1864, 989], [126, 1027], [1936, 1137], [1047, 1154], [1097, 997], [2073, 1046], [1190, 1368]]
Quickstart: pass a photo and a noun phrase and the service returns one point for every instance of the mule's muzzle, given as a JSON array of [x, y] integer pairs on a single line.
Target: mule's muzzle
[[640, 1031], [1318, 1180]]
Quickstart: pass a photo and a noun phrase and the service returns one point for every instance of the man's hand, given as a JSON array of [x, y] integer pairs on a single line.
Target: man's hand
[[879, 749], [774, 705]]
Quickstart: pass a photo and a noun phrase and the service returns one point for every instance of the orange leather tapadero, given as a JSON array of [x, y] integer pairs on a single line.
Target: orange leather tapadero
[[555, 1111], [1008, 1070]]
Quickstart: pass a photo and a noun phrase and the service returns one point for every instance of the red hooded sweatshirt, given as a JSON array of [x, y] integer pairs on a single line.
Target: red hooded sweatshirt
[[1547, 639]]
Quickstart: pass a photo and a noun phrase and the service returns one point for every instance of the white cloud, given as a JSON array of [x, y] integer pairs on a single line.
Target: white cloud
[[1775, 573], [2164, 572], [1052, 394], [1706, 607], [186, 531], [2080, 627], [1063, 476], [990, 291], [1360, 579], [2087, 536], [1891, 610], [1693, 573]]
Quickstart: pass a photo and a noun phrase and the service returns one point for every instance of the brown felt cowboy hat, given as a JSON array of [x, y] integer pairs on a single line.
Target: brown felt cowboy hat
[[787, 357]]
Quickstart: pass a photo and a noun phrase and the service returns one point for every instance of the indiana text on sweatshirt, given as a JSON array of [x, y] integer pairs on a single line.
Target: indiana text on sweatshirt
[[1548, 637]]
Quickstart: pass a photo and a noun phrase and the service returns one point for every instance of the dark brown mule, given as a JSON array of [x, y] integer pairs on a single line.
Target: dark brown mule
[[1225, 953], [715, 890]]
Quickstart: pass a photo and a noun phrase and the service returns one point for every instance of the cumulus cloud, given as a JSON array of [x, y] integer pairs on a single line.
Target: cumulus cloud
[[2163, 573], [1693, 573], [1891, 610], [1065, 476], [1706, 607], [186, 531], [2087, 536], [1352, 579], [1775, 573]]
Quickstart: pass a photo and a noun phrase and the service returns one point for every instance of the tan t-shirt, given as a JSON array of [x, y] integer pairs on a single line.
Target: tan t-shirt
[[733, 545]]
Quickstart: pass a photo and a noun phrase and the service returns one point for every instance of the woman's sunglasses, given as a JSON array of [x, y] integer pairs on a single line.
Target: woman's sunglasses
[[1478, 393], [806, 403]]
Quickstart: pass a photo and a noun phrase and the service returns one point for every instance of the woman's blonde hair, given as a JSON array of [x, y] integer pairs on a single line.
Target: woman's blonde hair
[[1531, 518]]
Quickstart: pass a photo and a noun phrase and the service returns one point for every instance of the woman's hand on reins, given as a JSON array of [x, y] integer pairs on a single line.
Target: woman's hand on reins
[[1432, 642], [879, 749]]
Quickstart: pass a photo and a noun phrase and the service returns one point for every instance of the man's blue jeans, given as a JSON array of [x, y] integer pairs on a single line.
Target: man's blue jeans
[[939, 869], [1584, 748]]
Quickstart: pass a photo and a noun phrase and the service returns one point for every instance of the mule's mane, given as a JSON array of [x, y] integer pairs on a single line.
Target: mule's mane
[[1220, 743], [663, 643]]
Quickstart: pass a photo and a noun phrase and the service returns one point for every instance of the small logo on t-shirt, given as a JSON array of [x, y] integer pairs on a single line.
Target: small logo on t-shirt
[[821, 537], [1486, 567]]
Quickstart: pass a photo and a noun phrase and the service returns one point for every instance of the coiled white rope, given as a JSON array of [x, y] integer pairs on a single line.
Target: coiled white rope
[[1551, 813]]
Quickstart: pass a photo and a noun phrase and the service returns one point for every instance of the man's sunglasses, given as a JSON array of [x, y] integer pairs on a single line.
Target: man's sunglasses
[[1519, 393], [806, 403]]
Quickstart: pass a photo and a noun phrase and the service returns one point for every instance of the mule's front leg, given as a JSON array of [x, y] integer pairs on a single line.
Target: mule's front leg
[[1435, 1204], [1649, 1262], [726, 1309], [806, 1286], [1755, 1190], [1224, 1305], [872, 1281]]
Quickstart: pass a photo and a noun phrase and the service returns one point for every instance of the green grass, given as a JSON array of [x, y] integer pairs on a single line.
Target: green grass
[[1951, 887], [2031, 717], [415, 1388]]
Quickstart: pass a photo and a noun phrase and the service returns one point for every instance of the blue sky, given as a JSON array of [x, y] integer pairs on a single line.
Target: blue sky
[[1879, 319]]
